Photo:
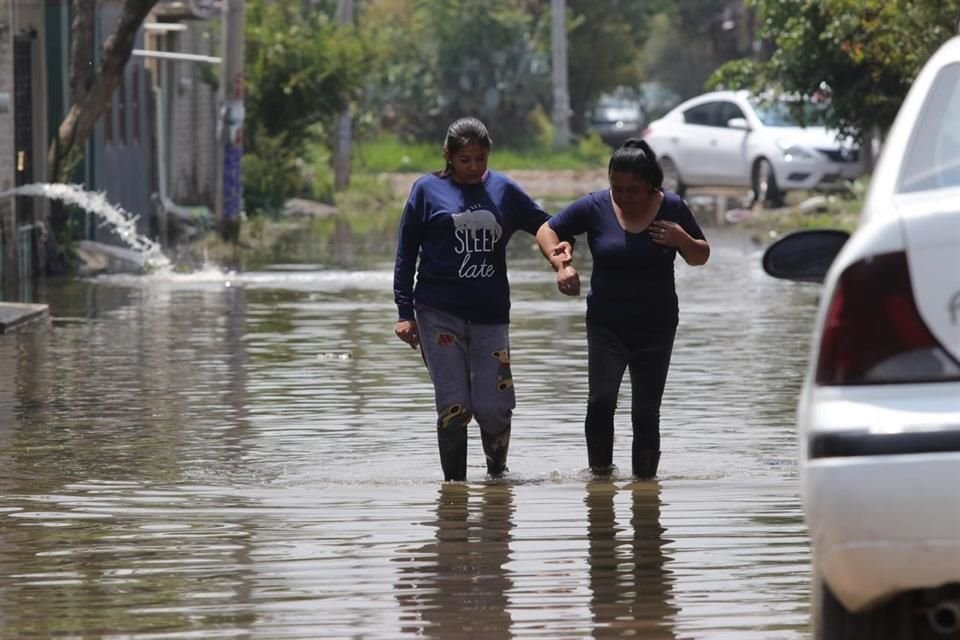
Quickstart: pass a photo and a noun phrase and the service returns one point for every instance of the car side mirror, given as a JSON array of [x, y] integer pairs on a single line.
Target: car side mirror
[[738, 123], [804, 256]]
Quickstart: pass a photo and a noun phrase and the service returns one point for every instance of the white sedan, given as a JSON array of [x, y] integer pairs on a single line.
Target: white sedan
[[732, 139], [879, 414]]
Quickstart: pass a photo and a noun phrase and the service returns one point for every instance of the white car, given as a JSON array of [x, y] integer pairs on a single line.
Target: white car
[[732, 139], [879, 414]]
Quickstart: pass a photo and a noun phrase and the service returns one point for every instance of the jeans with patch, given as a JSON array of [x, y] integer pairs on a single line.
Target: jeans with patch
[[469, 364]]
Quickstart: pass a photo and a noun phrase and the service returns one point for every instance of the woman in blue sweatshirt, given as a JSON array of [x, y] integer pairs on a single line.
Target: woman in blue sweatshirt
[[634, 230], [453, 237]]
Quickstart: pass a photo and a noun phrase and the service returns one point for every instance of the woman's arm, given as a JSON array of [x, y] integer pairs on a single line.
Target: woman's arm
[[695, 252], [404, 270], [559, 253]]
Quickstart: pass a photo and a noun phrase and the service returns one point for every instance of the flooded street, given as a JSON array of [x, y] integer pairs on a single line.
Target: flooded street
[[253, 455]]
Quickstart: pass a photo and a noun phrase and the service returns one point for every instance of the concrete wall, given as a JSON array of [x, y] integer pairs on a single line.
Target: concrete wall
[[193, 113]]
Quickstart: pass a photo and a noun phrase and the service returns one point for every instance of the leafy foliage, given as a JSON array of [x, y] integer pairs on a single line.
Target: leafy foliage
[[866, 52], [605, 39], [439, 60], [302, 69], [690, 38]]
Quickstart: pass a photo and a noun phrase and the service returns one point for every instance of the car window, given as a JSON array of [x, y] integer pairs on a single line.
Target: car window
[[704, 114], [932, 160], [781, 113], [729, 111]]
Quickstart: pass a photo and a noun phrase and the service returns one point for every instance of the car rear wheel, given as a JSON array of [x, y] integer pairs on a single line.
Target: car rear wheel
[[765, 188], [891, 620], [671, 177]]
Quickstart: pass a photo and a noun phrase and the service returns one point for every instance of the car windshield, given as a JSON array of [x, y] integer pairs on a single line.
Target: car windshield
[[614, 102], [779, 113], [932, 160]]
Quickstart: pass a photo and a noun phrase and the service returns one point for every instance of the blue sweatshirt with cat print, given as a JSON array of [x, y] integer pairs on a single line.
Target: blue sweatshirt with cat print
[[451, 250]]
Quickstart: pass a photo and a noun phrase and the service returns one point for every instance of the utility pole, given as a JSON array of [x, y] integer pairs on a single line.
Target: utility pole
[[561, 96], [230, 181], [342, 146]]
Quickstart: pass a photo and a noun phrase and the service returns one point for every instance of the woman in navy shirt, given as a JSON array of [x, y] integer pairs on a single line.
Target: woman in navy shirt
[[634, 230], [453, 236]]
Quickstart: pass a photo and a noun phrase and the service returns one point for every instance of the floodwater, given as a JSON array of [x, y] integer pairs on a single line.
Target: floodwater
[[253, 456]]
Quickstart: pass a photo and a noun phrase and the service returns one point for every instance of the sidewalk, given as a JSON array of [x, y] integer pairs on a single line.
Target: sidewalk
[[15, 315]]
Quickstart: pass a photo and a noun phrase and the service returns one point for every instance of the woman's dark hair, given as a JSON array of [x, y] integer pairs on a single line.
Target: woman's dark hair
[[635, 156], [463, 133]]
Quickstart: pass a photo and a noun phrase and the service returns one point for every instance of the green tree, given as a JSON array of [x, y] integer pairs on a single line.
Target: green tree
[[402, 90], [439, 60], [866, 52], [605, 41], [488, 65], [302, 69], [691, 38]]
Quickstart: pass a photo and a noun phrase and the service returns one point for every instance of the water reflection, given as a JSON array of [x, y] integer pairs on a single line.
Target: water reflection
[[249, 455], [629, 583], [124, 558], [457, 586]]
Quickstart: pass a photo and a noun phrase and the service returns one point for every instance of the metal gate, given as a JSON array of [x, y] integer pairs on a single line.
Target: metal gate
[[23, 52]]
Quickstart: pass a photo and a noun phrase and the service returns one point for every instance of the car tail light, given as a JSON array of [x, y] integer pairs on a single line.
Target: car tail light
[[873, 333]]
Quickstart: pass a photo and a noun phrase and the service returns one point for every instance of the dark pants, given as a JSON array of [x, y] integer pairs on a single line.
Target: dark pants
[[611, 349]]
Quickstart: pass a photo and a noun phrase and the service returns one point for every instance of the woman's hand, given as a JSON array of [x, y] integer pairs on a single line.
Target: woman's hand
[[568, 281], [668, 234], [695, 252], [562, 255], [406, 330]]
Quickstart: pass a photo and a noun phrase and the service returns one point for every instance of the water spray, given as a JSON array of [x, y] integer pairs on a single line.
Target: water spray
[[123, 222]]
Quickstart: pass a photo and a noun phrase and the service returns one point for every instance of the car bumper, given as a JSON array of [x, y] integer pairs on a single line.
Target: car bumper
[[879, 475], [617, 133], [817, 176], [880, 525]]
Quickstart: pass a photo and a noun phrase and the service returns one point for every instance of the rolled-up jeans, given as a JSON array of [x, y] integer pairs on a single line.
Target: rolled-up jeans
[[613, 347]]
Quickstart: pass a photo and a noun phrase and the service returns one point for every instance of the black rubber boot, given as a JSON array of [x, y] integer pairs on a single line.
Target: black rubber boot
[[495, 449], [600, 453], [452, 440], [645, 463]]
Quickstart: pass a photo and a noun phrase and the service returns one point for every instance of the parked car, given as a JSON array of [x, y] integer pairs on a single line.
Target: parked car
[[734, 139], [879, 413], [616, 116]]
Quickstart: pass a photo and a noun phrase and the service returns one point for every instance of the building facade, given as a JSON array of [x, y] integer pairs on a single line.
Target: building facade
[[156, 141]]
